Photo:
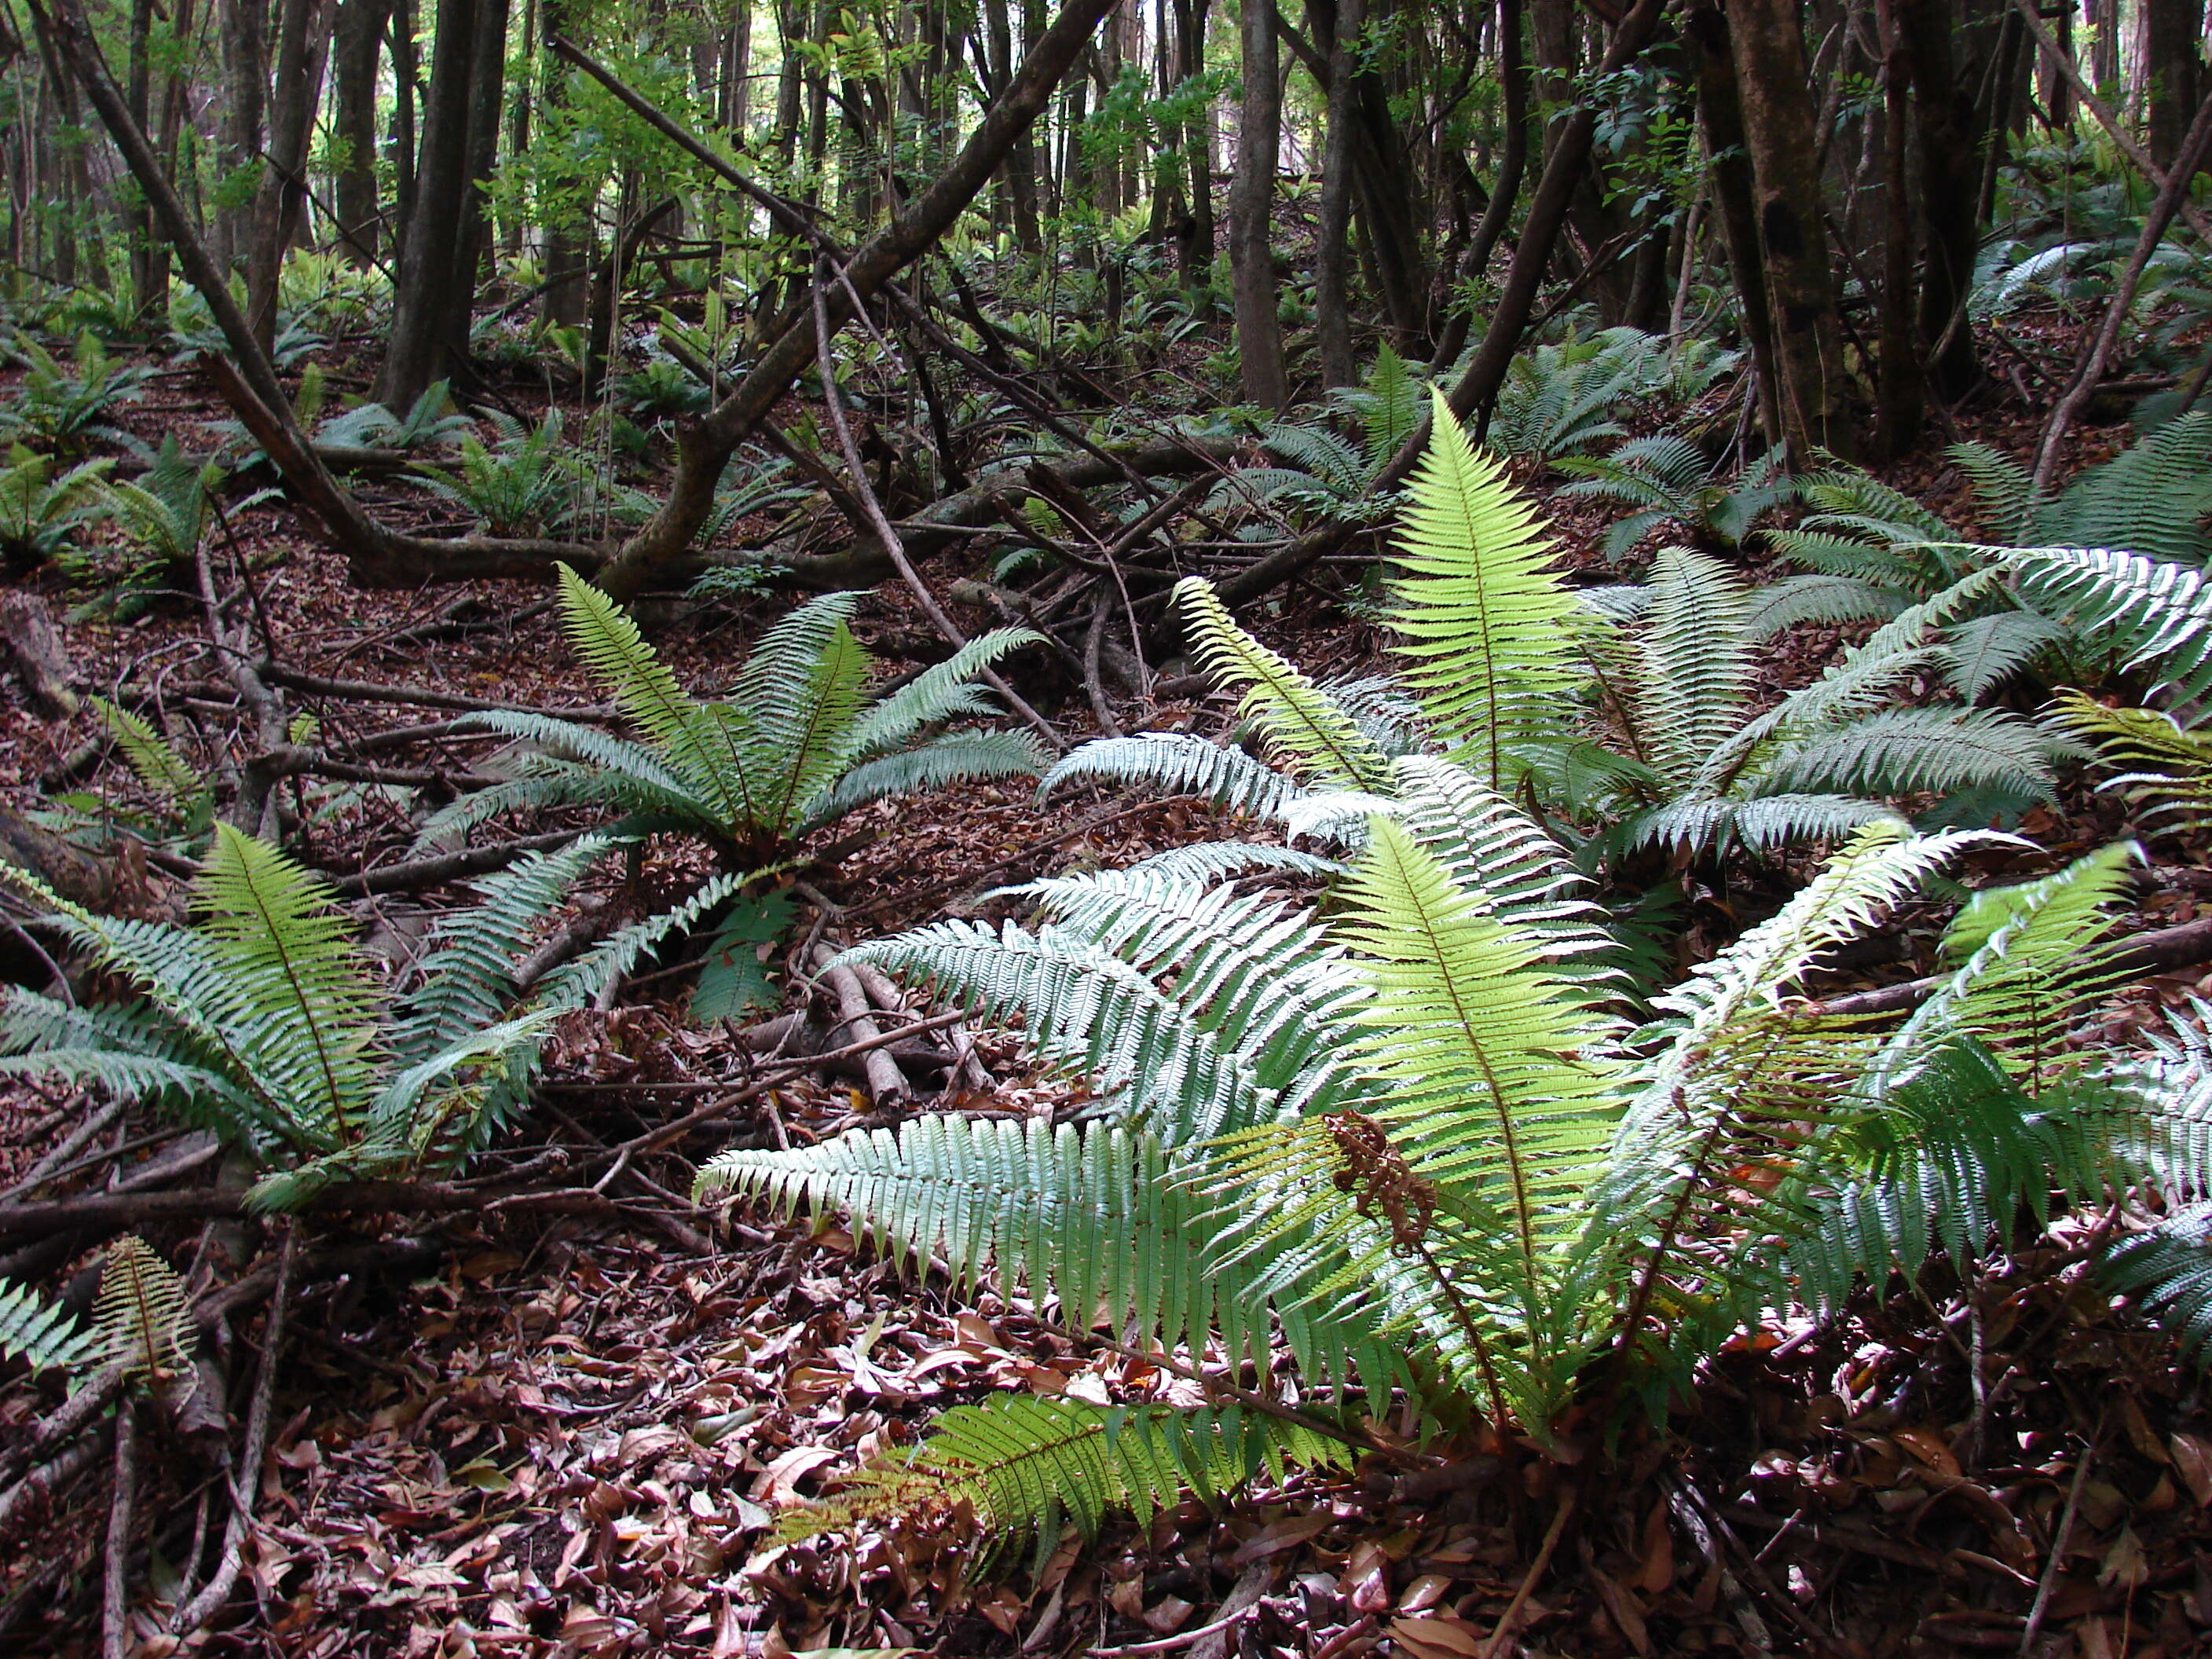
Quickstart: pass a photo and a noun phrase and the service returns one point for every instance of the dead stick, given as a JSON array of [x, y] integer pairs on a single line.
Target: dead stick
[[886, 1082], [246, 1488], [886, 533], [1498, 1637], [2144, 953], [2122, 301], [115, 1583]]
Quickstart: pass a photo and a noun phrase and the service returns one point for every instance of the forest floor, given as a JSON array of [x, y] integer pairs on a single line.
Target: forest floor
[[502, 1433]]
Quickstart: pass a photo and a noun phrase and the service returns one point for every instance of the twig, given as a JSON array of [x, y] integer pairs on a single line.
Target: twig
[[1552, 1535], [245, 1488], [885, 532], [2056, 1563], [1176, 1643], [115, 1583]]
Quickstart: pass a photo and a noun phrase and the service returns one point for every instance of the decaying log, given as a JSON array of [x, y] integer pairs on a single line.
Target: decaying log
[[32, 648]]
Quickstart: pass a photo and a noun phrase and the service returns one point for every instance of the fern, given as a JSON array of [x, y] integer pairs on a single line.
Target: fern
[[1028, 1468], [44, 1335], [798, 742], [139, 1313], [39, 514], [1489, 629], [2172, 765], [2152, 619], [263, 1021]]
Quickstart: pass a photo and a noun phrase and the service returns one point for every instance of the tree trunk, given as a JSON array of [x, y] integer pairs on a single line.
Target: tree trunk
[[415, 355], [1900, 393], [1021, 157], [1506, 189], [138, 221], [282, 195], [1195, 250], [1946, 144], [1251, 245], [472, 237], [1813, 395], [2173, 64], [1721, 115], [355, 54], [402, 121], [1333, 254]]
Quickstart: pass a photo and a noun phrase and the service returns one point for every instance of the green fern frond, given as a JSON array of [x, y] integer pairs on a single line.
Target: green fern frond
[[1203, 863], [2006, 489], [295, 988], [1695, 663], [44, 1335], [1986, 651], [2029, 959], [2168, 1267], [940, 692], [1489, 628], [575, 984], [702, 752], [953, 758], [157, 765], [1476, 1045], [2172, 765], [2150, 499], [1816, 597], [1897, 752], [1023, 1467], [1295, 714]]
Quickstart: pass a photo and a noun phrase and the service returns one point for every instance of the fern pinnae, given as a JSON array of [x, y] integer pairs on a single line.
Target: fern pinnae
[[642, 685], [1289, 707], [140, 1309], [1489, 627]]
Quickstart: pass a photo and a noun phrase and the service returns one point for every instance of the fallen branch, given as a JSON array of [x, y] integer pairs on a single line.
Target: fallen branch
[[2132, 957]]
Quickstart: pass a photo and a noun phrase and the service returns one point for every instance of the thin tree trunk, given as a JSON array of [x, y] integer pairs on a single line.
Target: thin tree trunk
[[1505, 190], [1333, 254], [2173, 63], [415, 355], [1251, 245], [1721, 115], [1900, 392], [356, 52], [283, 194], [138, 221], [1815, 397], [1945, 143]]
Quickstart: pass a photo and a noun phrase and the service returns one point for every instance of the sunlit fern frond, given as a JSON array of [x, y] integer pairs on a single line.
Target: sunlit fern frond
[[1492, 848], [2028, 961], [1178, 763], [1101, 1220], [2170, 767], [1255, 975], [1477, 1048], [1298, 719], [2154, 617], [294, 987], [1024, 1468], [44, 1335], [1085, 1010], [1203, 863], [140, 1312], [1694, 682], [1488, 626]]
